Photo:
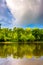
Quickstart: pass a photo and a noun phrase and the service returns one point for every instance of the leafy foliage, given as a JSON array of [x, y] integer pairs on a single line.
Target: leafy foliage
[[21, 35]]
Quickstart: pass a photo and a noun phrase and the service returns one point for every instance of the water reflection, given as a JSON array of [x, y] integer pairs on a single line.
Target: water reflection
[[21, 50], [19, 61]]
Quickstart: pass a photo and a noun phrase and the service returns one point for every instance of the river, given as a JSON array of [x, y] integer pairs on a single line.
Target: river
[[21, 54], [23, 61]]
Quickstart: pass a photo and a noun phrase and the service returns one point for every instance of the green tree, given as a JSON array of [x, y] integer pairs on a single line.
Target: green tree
[[35, 32]]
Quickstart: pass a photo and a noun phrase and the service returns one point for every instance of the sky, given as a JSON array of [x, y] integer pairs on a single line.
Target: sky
[[21, 13]]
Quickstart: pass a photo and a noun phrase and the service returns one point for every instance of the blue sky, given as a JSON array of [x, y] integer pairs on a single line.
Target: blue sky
[[20, 15], [5, 15]]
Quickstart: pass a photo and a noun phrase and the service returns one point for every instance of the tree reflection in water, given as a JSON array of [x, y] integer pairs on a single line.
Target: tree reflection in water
[[21, 50]]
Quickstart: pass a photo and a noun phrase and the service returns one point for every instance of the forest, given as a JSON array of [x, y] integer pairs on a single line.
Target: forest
[[21, 34]]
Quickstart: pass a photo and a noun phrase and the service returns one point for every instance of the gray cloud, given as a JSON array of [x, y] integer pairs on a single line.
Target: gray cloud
[[25, 11]]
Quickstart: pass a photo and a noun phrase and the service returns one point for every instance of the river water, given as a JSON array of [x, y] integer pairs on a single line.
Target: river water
[[21, 54], [23, 61]]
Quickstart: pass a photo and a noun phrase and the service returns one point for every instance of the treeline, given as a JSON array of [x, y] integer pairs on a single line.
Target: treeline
[[21, 34]]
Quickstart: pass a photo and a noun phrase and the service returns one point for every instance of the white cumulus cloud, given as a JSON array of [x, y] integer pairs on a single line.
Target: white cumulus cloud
[[24, 11]]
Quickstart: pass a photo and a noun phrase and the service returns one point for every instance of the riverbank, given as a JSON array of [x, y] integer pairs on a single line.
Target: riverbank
[[35, 42]]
